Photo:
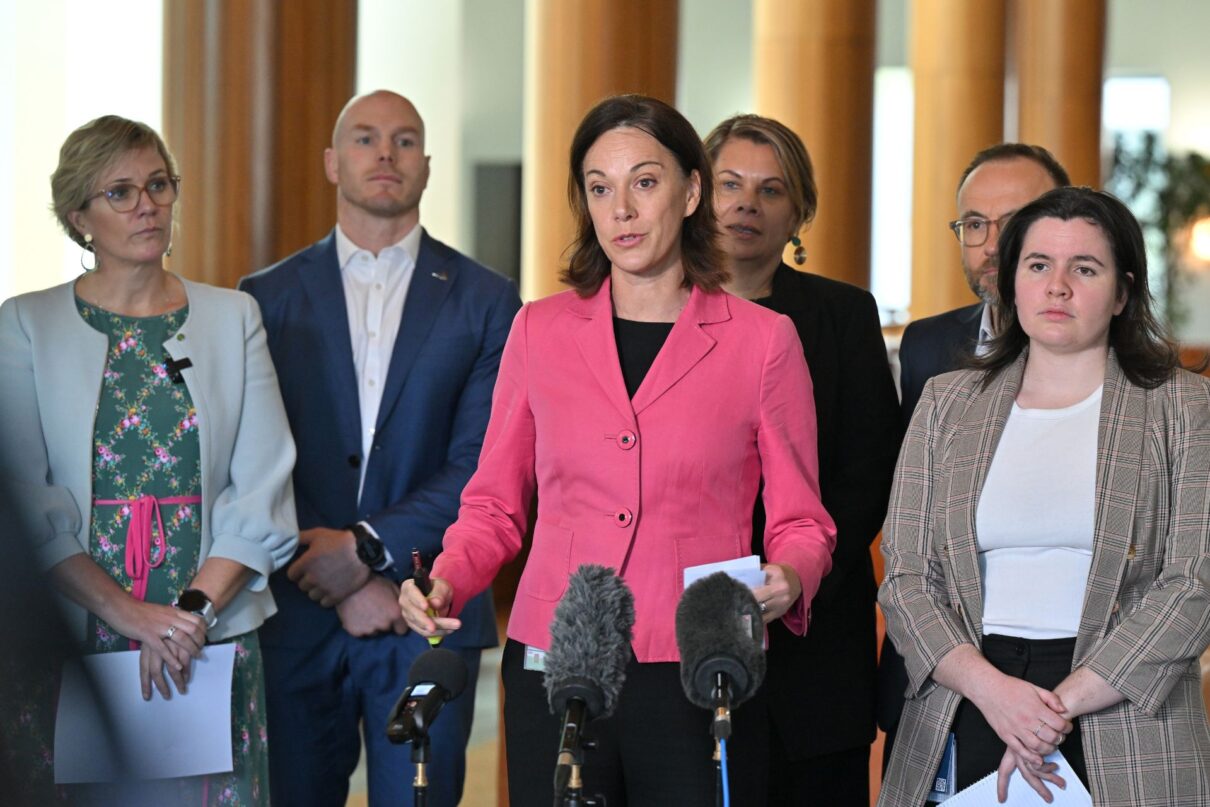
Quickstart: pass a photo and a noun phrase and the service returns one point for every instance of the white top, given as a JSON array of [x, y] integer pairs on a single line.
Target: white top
[[375, 287], [1035, 521]]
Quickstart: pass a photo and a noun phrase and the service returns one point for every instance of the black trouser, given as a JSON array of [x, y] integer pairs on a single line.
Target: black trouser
[[654, 750], [839, 779], [1043, 662]]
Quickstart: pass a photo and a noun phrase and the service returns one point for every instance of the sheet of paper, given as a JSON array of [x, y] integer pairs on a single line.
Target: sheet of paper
[[106, 732], [1020, 794], [746, 570]]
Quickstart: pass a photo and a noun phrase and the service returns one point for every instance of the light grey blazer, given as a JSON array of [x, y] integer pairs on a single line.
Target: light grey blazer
[[1146, 612], [51, 366]]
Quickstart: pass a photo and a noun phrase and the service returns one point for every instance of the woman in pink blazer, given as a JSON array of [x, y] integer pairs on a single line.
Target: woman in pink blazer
[[643, 406]]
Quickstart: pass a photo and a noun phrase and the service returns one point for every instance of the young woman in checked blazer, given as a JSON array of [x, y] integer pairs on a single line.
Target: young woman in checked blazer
[[1048, 539]]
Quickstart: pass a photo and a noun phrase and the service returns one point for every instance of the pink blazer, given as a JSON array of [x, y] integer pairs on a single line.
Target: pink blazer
[[647, 486]]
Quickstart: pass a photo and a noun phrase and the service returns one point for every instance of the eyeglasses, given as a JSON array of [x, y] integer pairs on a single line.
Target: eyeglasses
[[124, 197], [973, 231]]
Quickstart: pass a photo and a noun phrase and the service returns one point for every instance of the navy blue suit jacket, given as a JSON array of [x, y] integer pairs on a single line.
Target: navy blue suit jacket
[[932, 346], [434, 411]]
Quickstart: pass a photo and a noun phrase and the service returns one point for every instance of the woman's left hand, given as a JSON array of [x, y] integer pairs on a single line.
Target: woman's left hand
[[1035, 777], [779, 593]]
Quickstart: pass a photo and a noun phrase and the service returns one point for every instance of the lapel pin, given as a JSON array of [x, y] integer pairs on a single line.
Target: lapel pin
[[441, 275]]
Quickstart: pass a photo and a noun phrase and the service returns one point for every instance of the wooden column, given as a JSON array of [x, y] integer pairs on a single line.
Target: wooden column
[[814, 71], [578, 53], [957, 55], [1060, 64], [251, 90]]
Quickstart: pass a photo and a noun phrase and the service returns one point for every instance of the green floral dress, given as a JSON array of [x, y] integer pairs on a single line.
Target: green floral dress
[[145, 443]]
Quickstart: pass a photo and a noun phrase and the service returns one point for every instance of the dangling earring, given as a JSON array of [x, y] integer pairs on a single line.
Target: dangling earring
[[800, 252], [89, 249], [168, 252]]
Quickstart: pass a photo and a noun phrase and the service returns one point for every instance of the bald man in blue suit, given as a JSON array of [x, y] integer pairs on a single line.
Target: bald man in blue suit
[[386, 344]]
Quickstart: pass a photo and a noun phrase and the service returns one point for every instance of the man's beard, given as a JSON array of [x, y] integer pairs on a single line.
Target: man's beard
[[984, 288]]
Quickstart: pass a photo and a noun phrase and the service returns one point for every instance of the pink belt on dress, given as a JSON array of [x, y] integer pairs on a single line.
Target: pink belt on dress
[[139, 540]]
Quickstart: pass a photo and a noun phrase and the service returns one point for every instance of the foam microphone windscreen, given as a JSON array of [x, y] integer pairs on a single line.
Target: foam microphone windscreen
[[442, 667], [590, 641], [719, 629]]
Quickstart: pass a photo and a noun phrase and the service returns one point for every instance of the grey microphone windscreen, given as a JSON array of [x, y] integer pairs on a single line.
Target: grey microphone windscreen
[[590, 641], [719, 629], [442, 667]]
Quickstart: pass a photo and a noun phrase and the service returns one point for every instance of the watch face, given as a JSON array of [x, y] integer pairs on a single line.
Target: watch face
[[192, 600], [370, 551]]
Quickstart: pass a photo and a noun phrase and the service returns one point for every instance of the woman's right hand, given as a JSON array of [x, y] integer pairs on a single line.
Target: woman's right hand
[[428, 616], [1027, 718], [170, 639]]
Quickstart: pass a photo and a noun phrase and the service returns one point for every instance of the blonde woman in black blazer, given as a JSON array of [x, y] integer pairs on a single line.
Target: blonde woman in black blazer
[[821, 687]]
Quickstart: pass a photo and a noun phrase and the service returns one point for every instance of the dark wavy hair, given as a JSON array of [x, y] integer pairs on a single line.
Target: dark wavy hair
[[701, 256], [1145, 351]]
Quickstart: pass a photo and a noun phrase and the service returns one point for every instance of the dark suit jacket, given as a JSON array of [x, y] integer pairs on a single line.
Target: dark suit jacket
[[434, 411], [929, 347], [821, 687], [935, 345]]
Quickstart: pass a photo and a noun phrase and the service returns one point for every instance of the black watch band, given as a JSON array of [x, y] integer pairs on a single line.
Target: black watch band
[[370, 549]]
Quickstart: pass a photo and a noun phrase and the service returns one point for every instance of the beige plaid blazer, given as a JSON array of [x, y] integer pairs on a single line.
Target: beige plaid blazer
[[1146, 613]]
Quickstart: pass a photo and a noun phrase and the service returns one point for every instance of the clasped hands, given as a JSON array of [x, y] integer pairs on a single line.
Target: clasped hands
[[1032, 722], [330, 573]]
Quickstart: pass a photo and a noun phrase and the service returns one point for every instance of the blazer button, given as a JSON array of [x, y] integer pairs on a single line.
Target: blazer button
[[623, 517], [627, 440], [354, 460]]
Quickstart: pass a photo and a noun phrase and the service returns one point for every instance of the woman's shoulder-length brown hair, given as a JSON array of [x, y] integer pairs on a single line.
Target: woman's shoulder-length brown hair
[[1145, 351], [701, 256]]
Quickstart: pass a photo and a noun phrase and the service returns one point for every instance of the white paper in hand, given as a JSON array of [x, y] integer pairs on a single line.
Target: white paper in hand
[[1020, 794], [129, 738], [746, 570]]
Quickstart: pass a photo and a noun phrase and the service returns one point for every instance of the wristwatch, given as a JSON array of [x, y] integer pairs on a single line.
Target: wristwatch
[[195, 601], [370, 549]]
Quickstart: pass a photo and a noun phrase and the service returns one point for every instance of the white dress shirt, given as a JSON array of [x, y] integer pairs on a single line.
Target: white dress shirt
[[376, 288]]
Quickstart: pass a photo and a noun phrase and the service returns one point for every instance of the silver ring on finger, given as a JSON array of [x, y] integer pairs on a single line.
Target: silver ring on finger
[[1041, 723], [764, 607], [168, 633]]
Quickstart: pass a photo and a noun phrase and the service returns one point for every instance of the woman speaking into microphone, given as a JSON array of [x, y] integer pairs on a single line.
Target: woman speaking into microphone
[[643, 406]]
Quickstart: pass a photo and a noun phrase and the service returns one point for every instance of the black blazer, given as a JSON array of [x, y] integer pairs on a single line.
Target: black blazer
[[929, 347], [821, 687]]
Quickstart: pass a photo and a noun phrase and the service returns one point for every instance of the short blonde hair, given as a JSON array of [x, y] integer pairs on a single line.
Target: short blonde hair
[[87, 153], [791, 156]]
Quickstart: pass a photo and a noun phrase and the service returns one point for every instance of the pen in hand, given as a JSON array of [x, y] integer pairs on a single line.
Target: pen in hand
[[421, 576]]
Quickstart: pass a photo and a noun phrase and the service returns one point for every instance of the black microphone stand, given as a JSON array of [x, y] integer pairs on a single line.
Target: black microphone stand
[[574, 796], [420, 758], [720, 729]]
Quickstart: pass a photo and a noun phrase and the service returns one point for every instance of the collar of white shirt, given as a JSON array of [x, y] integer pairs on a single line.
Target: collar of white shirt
[[346, 250], [986, 334]]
